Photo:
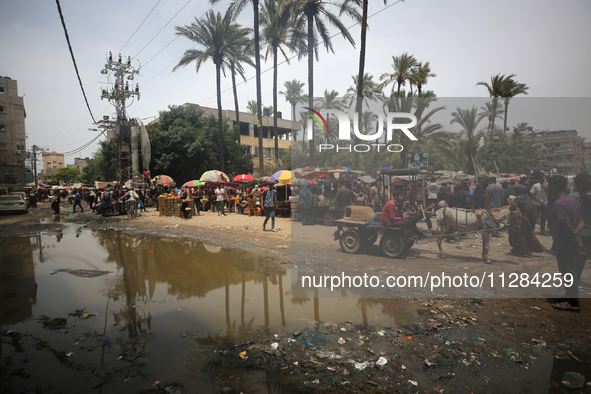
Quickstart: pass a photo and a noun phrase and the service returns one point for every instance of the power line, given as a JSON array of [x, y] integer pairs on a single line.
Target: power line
[[59, 8], [150, 13], [159, 31]]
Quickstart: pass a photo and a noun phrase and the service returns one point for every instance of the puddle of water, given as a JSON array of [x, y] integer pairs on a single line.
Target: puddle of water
[[163, 307]]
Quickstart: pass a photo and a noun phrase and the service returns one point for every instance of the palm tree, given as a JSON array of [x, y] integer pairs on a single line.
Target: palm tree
[[276, 19], [364, 4], [468, 119], [371, 89], [244, 55], [235, 8], [294, 95], [491, 115], [221, 39], [251, 107], [330, 101], [403, 66], [311, 14], [495, 90], [521, 127], [511, 89], [420, 75]]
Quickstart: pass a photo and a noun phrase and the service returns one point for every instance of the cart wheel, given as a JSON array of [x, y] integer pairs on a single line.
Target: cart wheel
[[327, 219], [409, 243], [350, 241], [369, 238], [392, 245]]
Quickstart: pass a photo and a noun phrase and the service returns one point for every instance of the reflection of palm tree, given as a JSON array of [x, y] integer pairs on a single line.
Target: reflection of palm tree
[[488, 112], [468, 119]]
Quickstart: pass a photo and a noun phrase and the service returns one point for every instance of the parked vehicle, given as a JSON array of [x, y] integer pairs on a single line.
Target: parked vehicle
[[13, 203]]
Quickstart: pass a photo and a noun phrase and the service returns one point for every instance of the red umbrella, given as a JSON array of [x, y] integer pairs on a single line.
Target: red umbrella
[[243, 178]]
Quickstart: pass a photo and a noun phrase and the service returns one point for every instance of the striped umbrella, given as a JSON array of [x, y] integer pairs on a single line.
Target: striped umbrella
[[163, 180], [194, 183], [77, 186]]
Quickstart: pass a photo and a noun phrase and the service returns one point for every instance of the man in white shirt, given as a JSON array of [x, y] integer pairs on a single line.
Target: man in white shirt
[[539, 200], [220, 197]]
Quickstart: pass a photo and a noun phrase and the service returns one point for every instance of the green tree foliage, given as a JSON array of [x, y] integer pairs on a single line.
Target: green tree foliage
[[68, 174], [184, 145], [511, 153]]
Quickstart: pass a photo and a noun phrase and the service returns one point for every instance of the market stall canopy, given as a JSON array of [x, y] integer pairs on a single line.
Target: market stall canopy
[[367, 179], [214, 176]]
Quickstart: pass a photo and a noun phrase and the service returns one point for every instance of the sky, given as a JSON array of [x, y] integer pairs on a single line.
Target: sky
[[542, 42]]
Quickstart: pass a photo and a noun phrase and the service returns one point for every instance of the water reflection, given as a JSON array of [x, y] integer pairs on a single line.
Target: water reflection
[[18, 289], [151, 292]]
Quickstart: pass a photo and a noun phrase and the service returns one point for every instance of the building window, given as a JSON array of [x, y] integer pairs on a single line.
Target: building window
[[2, 128], [1, 108], [20, 148], [1, 89], [59, 163], [2, 146]]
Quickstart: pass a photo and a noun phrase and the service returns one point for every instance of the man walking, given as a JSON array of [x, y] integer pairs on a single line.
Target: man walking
[[540, 200], [77, 201], [270, 198], [220, 194], [567, 222]]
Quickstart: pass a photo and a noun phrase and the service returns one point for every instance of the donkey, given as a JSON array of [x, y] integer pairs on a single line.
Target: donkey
[[452, 220]]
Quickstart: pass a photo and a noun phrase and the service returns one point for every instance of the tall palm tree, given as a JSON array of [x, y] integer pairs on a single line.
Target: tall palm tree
[[420, 75], [495, 90], [488, 112], [312, 14], [221, 39], [244, 55], [468, 119], [276, 19], [235, 8], [402, 68], [294, 94], [364, 4], [251, 107], [511, 89]]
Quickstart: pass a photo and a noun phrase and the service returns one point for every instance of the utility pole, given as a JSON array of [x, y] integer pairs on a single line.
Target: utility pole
[[35, 148], [120, 74]]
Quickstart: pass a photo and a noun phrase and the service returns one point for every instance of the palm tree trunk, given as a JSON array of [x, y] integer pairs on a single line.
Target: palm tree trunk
[[495, 103], [236, 108], [311, 80], [255, 6], [218, 80], [359, 104], [275, 103], [506, 111]]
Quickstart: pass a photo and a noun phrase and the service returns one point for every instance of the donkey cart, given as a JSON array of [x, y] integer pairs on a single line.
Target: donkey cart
[[354, 235]]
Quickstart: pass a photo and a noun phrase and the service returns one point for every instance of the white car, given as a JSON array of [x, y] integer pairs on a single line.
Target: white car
[[13, 203]]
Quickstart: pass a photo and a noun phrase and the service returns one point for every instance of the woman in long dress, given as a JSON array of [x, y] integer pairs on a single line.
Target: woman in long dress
[[522, 239]]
